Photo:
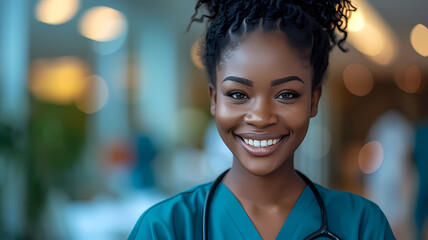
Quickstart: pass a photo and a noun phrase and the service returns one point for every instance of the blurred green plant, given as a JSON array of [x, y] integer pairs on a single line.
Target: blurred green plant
[[56, 138], [10, 148], [8, 137], [47, 149]]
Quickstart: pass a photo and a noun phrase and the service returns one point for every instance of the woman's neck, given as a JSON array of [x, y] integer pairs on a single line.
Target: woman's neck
[[280, 187]]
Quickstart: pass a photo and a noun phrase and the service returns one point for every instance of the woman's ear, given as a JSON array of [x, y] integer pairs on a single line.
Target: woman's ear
[[316, 95], [213, 98]]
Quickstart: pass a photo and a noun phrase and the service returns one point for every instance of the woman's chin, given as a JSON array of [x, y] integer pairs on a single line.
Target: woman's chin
[[260, 169], [263, 166]]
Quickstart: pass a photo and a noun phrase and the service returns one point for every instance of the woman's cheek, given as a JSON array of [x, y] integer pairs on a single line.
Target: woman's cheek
[[296, 118], [227, 115]]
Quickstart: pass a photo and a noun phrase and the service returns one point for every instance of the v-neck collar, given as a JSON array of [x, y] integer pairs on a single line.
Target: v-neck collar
[[246, 227]]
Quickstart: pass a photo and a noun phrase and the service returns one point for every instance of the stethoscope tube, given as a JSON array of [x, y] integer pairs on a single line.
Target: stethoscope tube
[[207, 204], [322, 231]]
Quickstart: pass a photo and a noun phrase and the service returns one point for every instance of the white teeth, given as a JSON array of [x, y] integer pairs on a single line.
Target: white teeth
[[261, 143]]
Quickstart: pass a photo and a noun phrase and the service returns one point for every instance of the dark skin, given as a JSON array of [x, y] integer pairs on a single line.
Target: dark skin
[[264, 93]]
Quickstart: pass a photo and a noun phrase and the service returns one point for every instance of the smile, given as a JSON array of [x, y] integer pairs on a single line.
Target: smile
[[260, 144]]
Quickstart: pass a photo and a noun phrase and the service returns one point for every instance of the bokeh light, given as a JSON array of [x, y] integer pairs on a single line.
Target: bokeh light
[[399, 79], [194, 54], [58, 80], [387, 54], [413, 79], [408, 79], [371, 35], [102, 24], [370, 157], [56, 11], [419, 39], [375, 45], [110, 47], [358, 79], [94, 96], [356, 22]]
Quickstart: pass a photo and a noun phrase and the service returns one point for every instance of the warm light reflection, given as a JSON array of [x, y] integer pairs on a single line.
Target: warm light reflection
[[94, 96], [102, 24], [58, 80], [387, 54], [419, 39], [56, 11], [370, 157], [356, 22], [376, 43], [358, 79], [371, 35], [194, 54]]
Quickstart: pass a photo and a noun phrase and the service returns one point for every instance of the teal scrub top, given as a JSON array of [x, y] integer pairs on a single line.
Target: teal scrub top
[[350, 216]]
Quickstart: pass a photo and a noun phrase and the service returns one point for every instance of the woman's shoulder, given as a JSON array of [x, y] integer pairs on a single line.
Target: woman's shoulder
[[189, 200], [347, 200], [355, 213], [179, 211]]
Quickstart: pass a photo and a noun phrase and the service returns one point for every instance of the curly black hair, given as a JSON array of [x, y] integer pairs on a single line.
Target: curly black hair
[[308, 25]]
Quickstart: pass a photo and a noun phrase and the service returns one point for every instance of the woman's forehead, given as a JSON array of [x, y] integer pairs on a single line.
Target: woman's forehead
[[264, 55]]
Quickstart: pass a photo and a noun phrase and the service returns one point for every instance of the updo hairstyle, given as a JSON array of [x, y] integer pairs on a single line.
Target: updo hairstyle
[[309, 25]]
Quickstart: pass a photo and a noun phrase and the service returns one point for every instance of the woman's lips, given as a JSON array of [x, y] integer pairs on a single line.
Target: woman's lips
[[260, 144], [260, 135]]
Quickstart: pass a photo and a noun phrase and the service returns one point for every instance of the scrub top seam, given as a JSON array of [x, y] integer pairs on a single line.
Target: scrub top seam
[[299, 212], [234, 223], [220, 192], [229, 194]]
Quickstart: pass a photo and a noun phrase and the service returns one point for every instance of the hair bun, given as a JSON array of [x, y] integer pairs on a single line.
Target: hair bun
[[330, 14]]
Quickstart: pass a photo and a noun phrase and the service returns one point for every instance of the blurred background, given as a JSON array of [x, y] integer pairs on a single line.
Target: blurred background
[[104, 111]]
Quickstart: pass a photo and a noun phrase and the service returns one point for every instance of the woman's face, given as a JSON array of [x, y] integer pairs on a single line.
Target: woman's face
[[263, 101]]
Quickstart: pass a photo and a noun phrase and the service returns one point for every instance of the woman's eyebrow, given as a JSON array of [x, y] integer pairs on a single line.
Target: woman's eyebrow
[[239, 80], [273, 83], [284, 80]]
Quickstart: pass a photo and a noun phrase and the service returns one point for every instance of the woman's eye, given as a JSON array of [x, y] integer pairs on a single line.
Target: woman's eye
[[288, 95], [238, 96]]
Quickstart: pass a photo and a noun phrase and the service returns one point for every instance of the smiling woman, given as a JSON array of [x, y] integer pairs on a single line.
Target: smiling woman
[[276, 103], [265, 62]]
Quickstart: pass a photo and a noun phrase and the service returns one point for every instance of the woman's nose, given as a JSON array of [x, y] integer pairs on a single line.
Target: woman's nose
[[261, 115]]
